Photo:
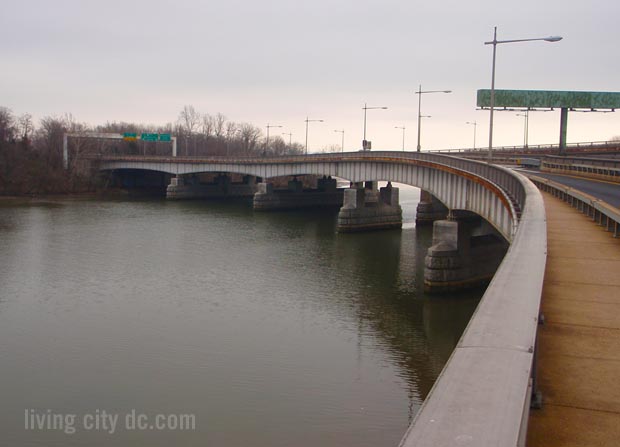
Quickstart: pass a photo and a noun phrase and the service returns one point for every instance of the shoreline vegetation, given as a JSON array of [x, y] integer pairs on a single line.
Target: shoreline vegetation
[[31, 157]]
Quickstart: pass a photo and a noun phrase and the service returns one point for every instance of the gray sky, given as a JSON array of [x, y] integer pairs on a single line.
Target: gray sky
[[278, 61]]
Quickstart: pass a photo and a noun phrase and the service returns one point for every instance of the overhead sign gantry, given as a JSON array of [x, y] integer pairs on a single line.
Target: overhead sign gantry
[[549, 100], [127, 136]]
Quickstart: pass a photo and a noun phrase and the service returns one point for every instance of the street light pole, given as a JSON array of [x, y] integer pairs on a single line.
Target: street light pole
[[475, 124], [342, 145], [403, 129], [420, 93], [364, 143], [525, 127], [290, 139], [267, 140], [494, 42], [309, 121]]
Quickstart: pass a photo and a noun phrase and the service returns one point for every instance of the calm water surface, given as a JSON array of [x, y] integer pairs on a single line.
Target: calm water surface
[[271, 329]]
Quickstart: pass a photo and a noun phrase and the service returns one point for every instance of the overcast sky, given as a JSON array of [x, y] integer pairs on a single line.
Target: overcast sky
[[278, 61]]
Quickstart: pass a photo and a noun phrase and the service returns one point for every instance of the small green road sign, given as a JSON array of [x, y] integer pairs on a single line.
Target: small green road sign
[[148, 137], [130, 136], [164, 137]]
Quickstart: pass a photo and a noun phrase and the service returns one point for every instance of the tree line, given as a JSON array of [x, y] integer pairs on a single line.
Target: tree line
[[31, 157]]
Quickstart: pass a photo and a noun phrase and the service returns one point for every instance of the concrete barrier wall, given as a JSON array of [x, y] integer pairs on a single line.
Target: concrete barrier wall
[[482, 396]]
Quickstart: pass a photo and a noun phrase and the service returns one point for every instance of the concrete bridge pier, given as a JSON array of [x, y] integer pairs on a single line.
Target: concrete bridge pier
[[222, 186], [326, 195], [429, 209], [465, 254], [363, 209]]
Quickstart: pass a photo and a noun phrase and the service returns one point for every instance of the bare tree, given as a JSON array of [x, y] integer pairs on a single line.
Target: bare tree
[[26, 127], [219, 122], [51, 134], [189, 119], [250, 135], [207, 125], [7, 125]]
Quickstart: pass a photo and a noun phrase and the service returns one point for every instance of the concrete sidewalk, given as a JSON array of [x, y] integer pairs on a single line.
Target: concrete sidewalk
[[579, 344]]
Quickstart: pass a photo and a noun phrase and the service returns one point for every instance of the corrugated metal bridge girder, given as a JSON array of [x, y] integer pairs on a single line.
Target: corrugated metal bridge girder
[[450, 186]]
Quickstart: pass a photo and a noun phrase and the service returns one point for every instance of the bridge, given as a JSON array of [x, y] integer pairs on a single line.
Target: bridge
[[492, 192], [483, 395]]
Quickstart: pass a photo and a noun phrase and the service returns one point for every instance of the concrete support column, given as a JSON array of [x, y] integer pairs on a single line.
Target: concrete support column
[[221, 187], [563, 129], [429, 209], [295, 185], [464, 255], [295, 197], [364, 209], [327, 184], [372, 191]]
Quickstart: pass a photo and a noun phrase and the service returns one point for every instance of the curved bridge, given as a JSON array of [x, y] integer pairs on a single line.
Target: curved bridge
[[482, 396], [488, 191]]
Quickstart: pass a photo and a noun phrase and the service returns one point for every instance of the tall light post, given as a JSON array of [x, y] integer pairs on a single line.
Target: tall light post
[[290, 139], [494, 42], [342, 145], [269, 126], [366, 108], [475, 124], [526, 128], [310, 121], [403, 129], [420, 93]]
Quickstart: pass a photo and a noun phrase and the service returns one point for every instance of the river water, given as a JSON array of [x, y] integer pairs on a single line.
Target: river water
[[261, 329]]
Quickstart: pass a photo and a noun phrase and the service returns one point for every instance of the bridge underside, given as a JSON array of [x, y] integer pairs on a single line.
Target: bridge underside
[[457, 190]]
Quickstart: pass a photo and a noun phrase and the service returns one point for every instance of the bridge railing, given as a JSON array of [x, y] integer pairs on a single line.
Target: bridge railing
[[610, 144], [598, 210], [482, 396]]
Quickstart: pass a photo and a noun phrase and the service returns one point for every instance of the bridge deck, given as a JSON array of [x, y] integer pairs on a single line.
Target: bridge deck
[[579, 357]]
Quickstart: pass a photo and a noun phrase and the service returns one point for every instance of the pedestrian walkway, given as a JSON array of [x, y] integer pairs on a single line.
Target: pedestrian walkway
[[579, 344]]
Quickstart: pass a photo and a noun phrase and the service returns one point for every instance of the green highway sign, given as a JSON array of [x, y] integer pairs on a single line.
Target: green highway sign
[[164, 137], [550, 99], [130, 136], [149, 137]]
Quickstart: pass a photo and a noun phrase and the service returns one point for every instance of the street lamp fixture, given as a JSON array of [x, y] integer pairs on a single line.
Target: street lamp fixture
[[269, 126], [342, 145], [365, 108], [475, 124], [290, 139], [403, 129], [494, 42], [420, 93], [310, 121]]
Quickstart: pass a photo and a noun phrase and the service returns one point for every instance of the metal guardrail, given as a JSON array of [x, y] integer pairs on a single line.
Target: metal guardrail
[[598, 210], [537, 147], [602, 169]]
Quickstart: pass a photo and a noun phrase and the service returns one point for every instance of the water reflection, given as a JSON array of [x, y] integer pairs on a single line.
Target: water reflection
[[270, 327]]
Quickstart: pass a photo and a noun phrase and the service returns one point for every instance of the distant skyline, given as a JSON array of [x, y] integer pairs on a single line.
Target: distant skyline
[[280, 61]]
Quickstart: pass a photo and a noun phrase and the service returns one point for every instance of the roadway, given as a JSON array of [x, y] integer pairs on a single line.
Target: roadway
[[606, 191]]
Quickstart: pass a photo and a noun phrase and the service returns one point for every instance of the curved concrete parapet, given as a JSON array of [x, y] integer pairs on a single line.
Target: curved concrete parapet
[[482, 396]]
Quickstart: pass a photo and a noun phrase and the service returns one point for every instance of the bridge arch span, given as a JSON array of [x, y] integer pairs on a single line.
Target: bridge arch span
[[457, 188]]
